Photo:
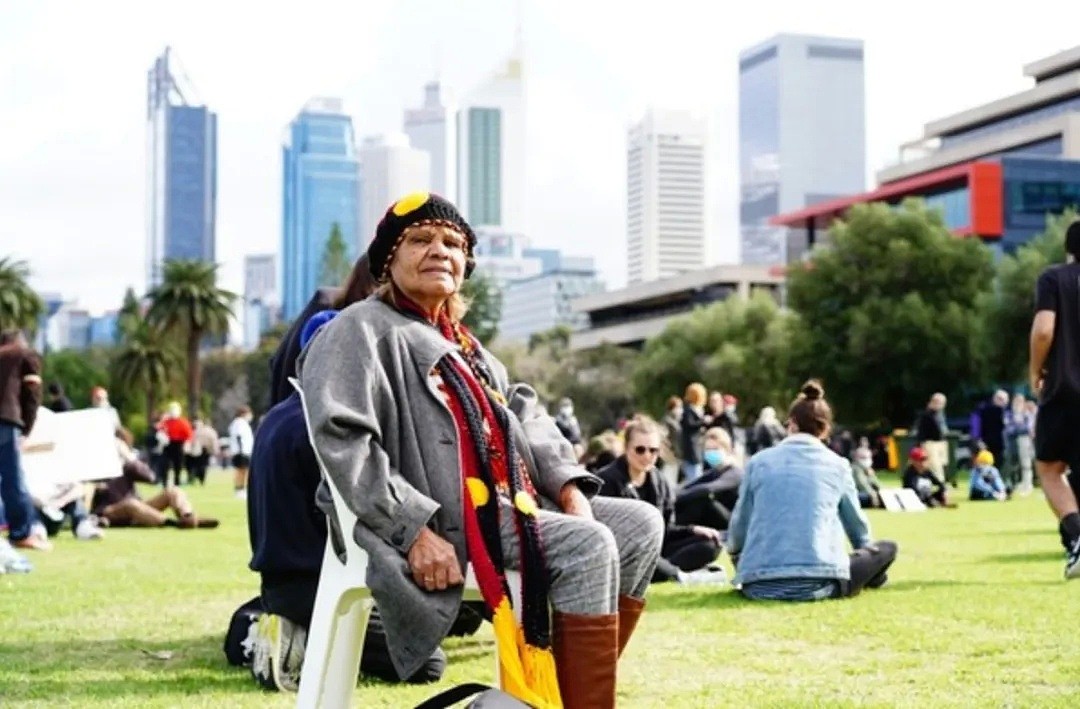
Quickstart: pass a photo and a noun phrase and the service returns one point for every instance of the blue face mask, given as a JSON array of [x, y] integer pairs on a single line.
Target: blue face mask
[[714, 457]]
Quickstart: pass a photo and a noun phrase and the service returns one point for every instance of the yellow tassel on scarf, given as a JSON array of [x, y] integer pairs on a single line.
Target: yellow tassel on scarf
[[528, 673]]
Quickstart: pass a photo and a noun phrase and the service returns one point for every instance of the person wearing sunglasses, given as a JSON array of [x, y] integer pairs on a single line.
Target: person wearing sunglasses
[[635, 476]]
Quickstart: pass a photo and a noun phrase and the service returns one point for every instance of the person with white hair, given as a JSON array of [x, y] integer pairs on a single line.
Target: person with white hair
[[767, 431]]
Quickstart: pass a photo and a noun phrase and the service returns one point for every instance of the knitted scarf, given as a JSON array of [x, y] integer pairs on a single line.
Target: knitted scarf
[[492, 467]]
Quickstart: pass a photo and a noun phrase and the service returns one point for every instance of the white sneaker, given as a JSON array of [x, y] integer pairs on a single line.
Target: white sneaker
[[88, 530], [277, 650], [711, 575], [1072, 565]]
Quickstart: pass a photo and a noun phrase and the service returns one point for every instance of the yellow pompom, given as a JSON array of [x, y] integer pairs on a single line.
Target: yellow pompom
[[478, 491], [524, 502], [410, 202]]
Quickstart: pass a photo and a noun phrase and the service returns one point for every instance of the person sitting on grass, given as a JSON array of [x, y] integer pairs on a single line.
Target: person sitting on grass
[[986, 482], [634, 476], [919, 477], [710, 499], [796, 504], [117, 503], [866, 481]]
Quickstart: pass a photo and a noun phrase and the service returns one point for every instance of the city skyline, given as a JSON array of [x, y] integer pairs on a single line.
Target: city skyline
[[84, 177]]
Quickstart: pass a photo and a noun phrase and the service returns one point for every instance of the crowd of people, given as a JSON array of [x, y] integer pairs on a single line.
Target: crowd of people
[[445, 462]]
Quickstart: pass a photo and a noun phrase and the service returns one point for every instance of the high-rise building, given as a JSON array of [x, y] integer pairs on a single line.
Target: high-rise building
[[802, 133], [260, 297], [389, 169], [69, 328], [491, 150], [501, 256], [321, 189], [666, 214], [541, 302], [181, 170], [430, 128]]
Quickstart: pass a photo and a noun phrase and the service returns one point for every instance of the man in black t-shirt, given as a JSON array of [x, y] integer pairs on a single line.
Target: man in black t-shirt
[[1055, 377]]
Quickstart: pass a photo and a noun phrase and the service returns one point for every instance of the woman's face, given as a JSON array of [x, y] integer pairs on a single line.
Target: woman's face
[[429, 264], [716, 402], [642, 449]]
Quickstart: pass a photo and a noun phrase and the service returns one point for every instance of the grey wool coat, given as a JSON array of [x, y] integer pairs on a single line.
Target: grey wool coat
[[388, 442]]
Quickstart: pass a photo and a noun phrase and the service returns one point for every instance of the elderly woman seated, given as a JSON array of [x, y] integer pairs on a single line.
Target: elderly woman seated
[[444, 462], [635, 476]]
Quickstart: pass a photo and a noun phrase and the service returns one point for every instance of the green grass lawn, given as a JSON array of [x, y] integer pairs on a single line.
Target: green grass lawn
[[976, 614]]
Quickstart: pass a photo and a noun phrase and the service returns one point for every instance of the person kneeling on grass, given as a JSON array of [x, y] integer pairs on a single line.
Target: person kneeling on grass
[[288, 532], [116, 502], [797, 502], [986, 482]]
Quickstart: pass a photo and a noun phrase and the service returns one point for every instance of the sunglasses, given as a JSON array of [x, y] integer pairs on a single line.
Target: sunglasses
[[642, 450]]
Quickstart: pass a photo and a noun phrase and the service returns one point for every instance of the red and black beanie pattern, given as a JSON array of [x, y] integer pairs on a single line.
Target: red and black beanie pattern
[[410, 210]]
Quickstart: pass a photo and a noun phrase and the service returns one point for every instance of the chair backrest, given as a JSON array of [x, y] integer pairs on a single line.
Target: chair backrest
[[345, 518]]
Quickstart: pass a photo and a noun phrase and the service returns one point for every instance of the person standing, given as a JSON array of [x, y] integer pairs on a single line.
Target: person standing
[[992, 423], [1019, 427], [241, 441], [178, 430], [692, 427], [58, 401], [203, 444], [1054, 372], [20, 398], [930, 435], [99, 399]]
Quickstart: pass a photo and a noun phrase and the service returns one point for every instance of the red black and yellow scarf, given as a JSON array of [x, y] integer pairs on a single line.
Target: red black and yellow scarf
[[491, 467]]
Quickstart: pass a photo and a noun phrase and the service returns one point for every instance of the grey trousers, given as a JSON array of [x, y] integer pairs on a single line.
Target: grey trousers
[[593, 562]]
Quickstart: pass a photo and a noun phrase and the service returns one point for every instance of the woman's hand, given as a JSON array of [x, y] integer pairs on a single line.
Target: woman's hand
[[572, 501], [433, 562], [707, 533]]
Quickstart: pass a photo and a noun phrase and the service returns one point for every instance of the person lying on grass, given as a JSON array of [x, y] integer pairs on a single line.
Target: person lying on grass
[[117, 503], [797, 502]]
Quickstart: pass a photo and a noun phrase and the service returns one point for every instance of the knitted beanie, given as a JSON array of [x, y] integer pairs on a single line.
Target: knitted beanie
[[416, 208]]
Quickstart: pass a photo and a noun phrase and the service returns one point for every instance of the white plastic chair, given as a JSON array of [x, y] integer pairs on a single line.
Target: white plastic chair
[[343, 606]]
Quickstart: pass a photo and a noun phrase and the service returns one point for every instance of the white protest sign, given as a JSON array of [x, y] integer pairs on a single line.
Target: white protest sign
[[70, 447]]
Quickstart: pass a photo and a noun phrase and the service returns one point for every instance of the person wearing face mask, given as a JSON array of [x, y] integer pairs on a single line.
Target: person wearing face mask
[[709, 500], [568, 425], [866, 482], [686, 548]]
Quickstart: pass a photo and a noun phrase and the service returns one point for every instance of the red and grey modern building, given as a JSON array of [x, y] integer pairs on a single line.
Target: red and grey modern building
[[994, 171]]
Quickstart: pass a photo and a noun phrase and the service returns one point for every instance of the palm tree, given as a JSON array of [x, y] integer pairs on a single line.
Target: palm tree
[[20, 306], [144, 362], [189, 302]]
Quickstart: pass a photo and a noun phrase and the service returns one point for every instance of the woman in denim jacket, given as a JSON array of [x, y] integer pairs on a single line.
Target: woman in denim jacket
[[796, 504]]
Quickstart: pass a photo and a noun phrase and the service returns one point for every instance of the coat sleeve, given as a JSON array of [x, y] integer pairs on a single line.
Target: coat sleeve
[[347, 394], [30, 390], [556, 463]]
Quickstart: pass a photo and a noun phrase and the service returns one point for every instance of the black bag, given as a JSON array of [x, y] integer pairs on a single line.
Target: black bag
[[239, 625], [489, 698]]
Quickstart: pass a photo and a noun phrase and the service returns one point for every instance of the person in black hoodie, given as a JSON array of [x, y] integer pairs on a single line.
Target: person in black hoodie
[[288, 535], [634, 475]]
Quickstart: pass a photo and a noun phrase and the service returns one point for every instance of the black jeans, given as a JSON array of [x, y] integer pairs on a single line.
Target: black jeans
[[293, 596], [174, 459], [684, 551], [868, 568]]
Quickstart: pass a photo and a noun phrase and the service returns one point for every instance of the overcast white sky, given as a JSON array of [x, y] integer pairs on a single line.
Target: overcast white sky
[[73, 83]]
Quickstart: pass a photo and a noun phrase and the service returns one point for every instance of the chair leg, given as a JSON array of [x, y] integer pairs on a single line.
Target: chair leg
[[335, 641]]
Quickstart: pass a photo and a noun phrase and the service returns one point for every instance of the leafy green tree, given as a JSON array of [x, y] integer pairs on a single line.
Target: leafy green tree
[[891, 312], [485, 306], [190, 305], [144, 363], [129, 316], [1012, 304], [336, 263], [737, 346], [20, 306]]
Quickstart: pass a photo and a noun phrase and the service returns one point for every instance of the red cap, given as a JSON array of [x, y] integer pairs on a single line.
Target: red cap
[[918, 454]]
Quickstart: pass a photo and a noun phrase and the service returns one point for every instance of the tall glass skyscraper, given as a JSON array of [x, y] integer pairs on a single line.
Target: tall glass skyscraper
[[802, 133], [321, 188], [181, 171]]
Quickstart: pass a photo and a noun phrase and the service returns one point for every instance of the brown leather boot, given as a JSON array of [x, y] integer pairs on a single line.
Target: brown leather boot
[[630, 609], [586, 651]]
